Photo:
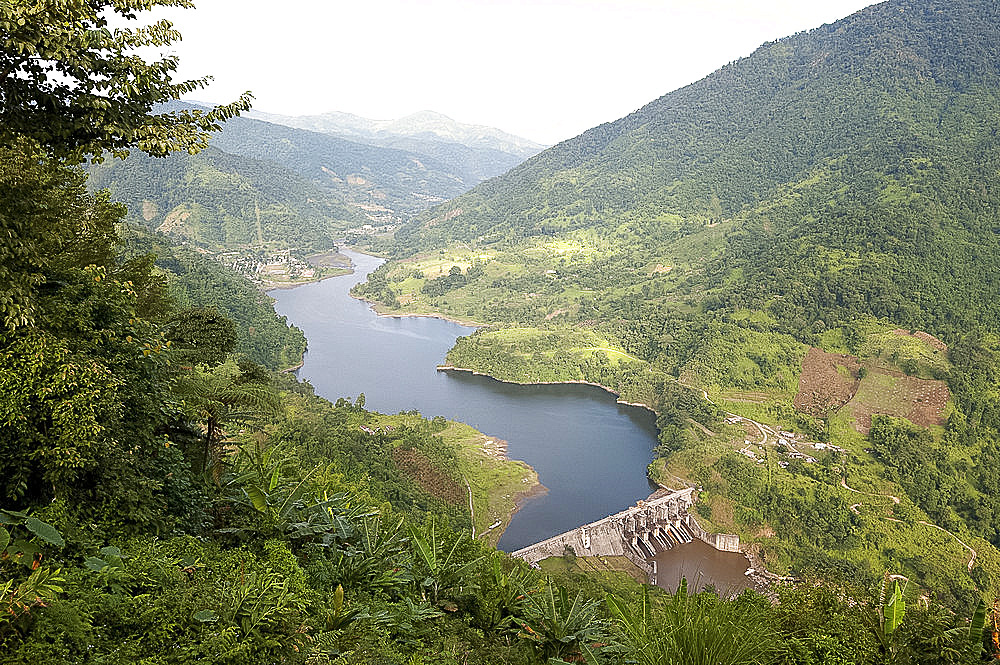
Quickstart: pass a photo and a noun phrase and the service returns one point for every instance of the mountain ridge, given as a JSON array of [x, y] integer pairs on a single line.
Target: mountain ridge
[[414, 124]]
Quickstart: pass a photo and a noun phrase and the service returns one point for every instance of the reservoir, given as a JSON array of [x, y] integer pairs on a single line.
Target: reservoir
[[589, 451]]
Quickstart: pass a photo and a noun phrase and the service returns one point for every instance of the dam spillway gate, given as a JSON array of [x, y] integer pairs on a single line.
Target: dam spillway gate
[[638, 533]]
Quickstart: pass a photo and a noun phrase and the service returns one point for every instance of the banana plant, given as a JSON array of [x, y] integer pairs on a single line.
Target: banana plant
[[438, 568], [501, 585], [292, 506], [971, 637], [889, 612], [361, 562]]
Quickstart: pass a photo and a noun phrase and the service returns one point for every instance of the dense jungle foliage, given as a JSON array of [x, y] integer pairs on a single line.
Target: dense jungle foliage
[[166, 500]]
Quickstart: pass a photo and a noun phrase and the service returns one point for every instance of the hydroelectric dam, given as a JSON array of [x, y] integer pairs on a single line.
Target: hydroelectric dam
[[638, 533]]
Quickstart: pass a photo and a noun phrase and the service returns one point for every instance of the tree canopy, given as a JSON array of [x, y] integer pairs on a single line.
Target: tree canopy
[[73, 78]]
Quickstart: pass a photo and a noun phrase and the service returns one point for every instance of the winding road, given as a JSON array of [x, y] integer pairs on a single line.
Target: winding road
[[765, 430], [895, 500]]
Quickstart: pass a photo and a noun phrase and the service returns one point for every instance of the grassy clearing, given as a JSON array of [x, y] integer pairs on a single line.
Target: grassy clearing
[[496, 482], [610, 570], [535, 355], [895, 349]]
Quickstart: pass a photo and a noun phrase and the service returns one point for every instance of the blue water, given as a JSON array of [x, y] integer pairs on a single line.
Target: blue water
[[590, 452]]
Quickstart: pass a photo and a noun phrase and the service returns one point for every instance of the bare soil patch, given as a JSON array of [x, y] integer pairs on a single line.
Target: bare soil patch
[[828, 381], [331, 259], [431, 480], [928, 398]]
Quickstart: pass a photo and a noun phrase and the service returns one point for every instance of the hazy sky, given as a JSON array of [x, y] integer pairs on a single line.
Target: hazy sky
[[544, 69]]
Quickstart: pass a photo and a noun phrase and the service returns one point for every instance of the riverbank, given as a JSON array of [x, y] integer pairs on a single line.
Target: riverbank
[[617, 395], [517, 501], [326, 264], [266, 285], [497, 486], [379, 309]]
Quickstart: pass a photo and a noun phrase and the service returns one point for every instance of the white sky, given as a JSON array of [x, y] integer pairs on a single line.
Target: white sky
[[543, 69]]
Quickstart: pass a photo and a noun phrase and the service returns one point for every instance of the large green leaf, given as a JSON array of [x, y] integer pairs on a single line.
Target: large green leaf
[[206, 616], [978, 623], [257, 497], [4, 539], [95, 564], [12, 516], [45, 531], [894, 609]]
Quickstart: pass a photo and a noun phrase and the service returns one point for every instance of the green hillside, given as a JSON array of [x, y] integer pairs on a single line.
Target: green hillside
[[809, 237], [828, 167], [267, 186], [222, 201], [382, 181]]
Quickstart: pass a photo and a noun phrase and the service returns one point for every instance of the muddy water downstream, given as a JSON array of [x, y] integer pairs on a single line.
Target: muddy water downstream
[[702, 565]]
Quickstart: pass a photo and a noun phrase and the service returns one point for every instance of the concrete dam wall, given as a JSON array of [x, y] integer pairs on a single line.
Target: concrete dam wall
[[637, 533]]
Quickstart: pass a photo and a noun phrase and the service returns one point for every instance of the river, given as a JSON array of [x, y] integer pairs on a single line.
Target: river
[[589, 451]]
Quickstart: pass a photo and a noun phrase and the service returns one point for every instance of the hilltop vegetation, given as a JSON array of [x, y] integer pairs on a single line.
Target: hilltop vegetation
[[810, 199], [221, 201]]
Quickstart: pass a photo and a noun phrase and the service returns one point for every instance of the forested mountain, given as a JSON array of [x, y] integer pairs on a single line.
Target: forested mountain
[[850, 167], [222, 201], [367, 176], [475, 151], [270, 186], [808, 239]]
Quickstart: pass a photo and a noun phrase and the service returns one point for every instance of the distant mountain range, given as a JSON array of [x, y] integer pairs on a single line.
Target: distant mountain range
[[476, 151], [267, 184]]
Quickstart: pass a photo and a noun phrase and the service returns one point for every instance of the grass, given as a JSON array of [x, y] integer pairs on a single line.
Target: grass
[[496, 482], [611, 570], [535, 355]]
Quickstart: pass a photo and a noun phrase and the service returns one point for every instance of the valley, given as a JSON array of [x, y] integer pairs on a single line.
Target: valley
[[318, 389], [803, 279]]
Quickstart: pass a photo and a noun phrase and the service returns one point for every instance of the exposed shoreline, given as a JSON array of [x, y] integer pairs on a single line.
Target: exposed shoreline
[[617, 395], [468, 323], [519, 499], [286, 286]]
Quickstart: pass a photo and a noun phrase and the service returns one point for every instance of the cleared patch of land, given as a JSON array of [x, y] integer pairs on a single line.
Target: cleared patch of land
[[496, 483], [423, 472], [921, 401], [827, 382]]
